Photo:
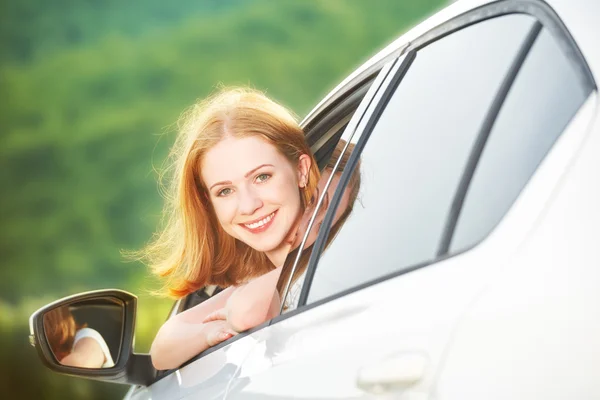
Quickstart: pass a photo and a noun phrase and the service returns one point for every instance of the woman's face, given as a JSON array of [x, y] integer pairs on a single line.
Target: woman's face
[[255, 191]]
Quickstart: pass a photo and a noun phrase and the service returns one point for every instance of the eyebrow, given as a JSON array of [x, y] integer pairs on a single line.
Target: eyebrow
[[245, 176]]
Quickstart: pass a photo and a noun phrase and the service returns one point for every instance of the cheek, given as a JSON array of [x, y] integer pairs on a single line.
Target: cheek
[[344, 203], [283, 192], [224, 210]]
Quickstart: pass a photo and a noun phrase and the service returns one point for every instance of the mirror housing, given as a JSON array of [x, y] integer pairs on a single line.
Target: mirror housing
[[129, 368]]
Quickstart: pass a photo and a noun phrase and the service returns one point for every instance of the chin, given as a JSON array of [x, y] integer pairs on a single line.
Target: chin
[[265, 244], [264, 247]]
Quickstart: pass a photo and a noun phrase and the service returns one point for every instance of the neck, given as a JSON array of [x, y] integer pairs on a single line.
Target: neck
[[277, 256]]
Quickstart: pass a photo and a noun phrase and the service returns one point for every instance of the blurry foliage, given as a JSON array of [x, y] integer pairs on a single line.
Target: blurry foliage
[[89, 93]]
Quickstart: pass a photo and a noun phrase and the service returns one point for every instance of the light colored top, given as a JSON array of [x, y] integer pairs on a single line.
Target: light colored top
[[291, 301], [94, 334]]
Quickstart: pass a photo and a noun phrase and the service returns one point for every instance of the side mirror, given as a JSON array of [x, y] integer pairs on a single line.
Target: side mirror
[[90, 335]]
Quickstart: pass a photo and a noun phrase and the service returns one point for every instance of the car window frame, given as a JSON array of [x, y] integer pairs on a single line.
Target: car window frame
[[545, 17]]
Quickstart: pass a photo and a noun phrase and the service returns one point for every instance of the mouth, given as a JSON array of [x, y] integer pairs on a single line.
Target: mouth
[[260, 225]]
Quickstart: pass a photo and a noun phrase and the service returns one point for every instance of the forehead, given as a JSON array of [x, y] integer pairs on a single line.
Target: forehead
[[232, 158]]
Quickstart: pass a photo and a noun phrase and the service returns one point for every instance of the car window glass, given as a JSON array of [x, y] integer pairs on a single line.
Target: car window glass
[[546, 94], [332, 155], [415, 157]]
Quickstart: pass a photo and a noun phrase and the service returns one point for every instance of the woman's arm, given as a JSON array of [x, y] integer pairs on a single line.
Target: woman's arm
[[183, 336], [251, 304], [235, 309]]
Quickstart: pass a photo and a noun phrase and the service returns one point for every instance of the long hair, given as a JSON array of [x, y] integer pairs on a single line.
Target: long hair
[[192, 250], [354, 188], [60, 328]]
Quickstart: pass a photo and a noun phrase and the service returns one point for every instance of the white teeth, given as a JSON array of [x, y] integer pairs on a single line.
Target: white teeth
[[261, 222]]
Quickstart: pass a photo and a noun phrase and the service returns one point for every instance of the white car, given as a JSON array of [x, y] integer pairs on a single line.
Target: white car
[[468, 268]]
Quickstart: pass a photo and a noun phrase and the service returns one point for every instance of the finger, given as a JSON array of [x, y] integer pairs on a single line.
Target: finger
[[231, 332], [219, 337], [216, 316], [228, 333]]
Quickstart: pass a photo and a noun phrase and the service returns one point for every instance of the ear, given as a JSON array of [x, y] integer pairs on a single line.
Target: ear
[[304, 164]]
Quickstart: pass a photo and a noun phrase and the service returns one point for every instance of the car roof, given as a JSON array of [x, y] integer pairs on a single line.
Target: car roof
[[581, 25], [581, 18]]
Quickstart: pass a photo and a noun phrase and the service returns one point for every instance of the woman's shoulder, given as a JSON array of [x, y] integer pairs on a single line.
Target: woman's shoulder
[[87, 332], [95, 335]]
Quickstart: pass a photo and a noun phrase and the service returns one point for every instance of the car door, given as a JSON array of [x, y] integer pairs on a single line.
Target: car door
[[381, 304]]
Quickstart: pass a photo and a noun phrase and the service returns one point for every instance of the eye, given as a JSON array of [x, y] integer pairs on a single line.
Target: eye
[[224, 192], [263, 178]]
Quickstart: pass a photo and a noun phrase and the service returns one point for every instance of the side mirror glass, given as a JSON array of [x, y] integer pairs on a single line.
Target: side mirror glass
[[86, 334]]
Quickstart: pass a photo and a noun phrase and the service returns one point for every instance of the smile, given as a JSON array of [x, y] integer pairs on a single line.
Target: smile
[[260, 225]]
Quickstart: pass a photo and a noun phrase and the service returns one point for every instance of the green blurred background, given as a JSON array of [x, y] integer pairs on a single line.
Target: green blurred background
[[89, 93]]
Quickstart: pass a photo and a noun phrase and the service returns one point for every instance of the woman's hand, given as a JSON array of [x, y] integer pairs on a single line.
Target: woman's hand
[[183, 336], [250, 304], [217, 331]]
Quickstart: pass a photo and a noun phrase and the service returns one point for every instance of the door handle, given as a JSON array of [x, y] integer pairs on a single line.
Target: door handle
[[396, 372]]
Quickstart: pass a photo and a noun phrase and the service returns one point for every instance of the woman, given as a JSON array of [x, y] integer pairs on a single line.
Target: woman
[[73, 345], [242, 177]]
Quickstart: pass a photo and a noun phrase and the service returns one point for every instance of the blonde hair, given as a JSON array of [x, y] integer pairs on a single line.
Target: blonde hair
[[192, 250]]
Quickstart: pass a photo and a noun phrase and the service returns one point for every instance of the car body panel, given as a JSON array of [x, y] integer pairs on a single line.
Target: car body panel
[[206, 378], [533, 333]]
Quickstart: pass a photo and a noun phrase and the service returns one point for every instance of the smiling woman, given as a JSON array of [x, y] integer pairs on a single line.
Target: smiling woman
[[242, 175], [239, 157]]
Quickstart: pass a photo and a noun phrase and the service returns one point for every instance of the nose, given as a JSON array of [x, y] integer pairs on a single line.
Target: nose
[[249, 201]]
